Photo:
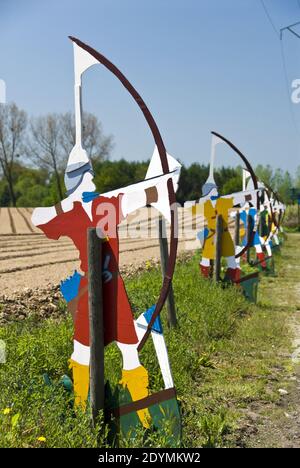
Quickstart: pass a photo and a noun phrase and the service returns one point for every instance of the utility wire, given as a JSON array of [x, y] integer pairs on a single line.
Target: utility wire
[[269, 18], [279, 36], [288, 87]]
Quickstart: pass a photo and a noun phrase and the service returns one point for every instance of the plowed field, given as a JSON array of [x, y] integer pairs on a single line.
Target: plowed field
[[28, 259]]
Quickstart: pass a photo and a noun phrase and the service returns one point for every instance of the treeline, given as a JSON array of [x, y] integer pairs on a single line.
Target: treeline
[[37, 187], [33, 155], [34, 152]]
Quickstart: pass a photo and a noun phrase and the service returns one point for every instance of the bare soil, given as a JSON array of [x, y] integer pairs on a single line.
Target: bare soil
[[29, 260]]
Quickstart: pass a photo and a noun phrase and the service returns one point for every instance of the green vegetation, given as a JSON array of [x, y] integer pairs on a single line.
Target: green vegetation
[[222, 355], [38, 187], [291, 217]]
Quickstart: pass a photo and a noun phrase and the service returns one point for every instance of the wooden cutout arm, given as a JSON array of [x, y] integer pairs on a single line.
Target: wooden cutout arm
[[45, 214], [132, 201], [240, 198], [201, 201]]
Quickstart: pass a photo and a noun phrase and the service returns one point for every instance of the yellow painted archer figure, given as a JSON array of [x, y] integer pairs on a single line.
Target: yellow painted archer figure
[[211, 204], [221, 207], [214, 205]]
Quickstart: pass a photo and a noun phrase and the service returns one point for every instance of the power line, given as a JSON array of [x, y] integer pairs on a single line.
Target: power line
[[269, 18], [288, 87], [289, 28], [279, 35]]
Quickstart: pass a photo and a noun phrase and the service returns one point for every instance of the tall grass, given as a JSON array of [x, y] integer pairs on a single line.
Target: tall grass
[[291, 216]]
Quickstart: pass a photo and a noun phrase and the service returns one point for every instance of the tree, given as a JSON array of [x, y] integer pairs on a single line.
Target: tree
[[234, 184], [53, 137], [13, 123], [265, 174], [111, 175], [191, 181], [228, 179], [297, 178], [32, 187], [4, 193], [96, 144], [282, 184], [44, 146]]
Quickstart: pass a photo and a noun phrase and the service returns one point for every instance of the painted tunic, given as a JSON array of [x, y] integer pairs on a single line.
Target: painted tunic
[[222, 206], [252, 212], [264, 216], [118, 317]]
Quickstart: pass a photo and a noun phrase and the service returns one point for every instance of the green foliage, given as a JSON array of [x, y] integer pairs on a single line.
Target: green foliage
[[31, 410], [31, 187], [111, 175], [297, 178], [4, 193], [265, 174], [214, 427], [234, 184], [191, 181]]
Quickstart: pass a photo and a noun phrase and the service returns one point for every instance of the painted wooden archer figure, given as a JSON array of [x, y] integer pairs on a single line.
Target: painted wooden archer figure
[[83, 208], [266, 236], [211, 204], [250, 214], [272, 208]]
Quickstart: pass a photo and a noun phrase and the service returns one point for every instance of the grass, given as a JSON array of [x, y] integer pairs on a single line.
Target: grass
[[222, 354]]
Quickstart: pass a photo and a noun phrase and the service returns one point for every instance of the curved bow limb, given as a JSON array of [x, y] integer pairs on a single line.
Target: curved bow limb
[[254, 180], [165, 168]]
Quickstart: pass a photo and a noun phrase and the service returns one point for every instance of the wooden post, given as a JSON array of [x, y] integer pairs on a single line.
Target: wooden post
[[96, 323], [259, 224], [237, 229], [164, 255], [249, 233], [218, 244]]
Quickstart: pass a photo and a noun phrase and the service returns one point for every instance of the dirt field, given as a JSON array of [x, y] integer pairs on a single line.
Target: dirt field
[[28, 259]]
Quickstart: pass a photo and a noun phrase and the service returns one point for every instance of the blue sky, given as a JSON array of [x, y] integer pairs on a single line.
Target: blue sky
[[200, 65]]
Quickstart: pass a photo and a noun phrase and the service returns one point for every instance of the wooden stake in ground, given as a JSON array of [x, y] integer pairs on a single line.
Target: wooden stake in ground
[[237, 229], [96, 323], [249, 234], [218, 243], [164, 255], [260, 226]]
